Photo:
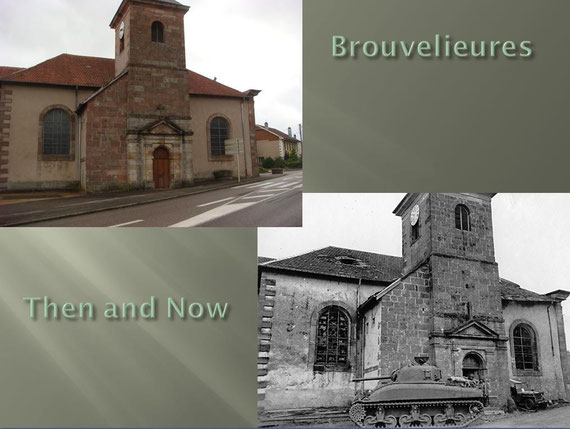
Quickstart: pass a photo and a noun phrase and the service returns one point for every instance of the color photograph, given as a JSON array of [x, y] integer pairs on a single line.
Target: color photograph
[[151, 113]]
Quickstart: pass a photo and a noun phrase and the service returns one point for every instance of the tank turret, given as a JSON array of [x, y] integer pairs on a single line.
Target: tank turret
[[416, 395]]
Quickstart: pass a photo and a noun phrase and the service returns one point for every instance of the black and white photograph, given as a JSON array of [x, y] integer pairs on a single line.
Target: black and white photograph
[[440, 309]]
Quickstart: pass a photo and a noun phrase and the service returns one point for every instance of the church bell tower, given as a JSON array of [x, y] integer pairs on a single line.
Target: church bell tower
[[150, 47], [150, 58], [452, 234]]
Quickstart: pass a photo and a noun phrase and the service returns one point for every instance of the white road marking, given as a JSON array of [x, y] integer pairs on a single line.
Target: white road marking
[[216, 202], [257, 196], [211, 215], [286, 185], [126, 224], [267, 190], [242, 186]]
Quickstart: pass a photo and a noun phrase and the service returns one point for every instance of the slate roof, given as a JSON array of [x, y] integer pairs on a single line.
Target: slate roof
[[344, 263], [280, 134], [94, 72], [355, 264], [263, 260], [511, 291]]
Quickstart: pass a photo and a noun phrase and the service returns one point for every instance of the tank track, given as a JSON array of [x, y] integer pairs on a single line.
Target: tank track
[[360, 413]]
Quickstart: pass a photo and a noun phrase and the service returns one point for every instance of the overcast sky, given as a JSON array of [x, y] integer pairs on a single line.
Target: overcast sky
[[246, 44], [532, 234]]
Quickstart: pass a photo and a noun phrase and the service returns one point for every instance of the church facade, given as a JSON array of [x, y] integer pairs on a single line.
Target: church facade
[[140, 120], [334, 315]]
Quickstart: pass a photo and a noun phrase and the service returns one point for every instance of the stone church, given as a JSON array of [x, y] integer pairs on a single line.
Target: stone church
[[140, 120], [334, 315]]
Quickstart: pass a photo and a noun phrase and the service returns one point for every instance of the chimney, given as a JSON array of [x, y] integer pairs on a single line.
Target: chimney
[[289, 132], [266, 125]]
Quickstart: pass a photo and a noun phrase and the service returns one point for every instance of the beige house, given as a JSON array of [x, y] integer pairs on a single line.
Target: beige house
[[140, 120], [272, 143]]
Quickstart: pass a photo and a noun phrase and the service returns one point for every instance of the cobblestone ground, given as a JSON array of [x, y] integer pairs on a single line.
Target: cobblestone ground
[[555, 417]]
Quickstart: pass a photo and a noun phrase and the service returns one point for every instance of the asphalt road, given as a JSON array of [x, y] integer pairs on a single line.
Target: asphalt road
[[272, 203]]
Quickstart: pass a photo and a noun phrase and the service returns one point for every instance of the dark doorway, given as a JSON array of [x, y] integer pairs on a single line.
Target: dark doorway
[[161, 168], [473, 367]]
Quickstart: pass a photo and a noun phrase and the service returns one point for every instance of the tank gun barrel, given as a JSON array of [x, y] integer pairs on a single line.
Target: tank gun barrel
[[354, 380]]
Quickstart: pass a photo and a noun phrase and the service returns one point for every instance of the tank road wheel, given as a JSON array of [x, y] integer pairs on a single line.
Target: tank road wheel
[[357, 414], [415, 418], [476, 408], [449, 418], [380, 420]]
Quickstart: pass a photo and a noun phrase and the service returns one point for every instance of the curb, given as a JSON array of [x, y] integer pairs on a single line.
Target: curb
[[136, 203]]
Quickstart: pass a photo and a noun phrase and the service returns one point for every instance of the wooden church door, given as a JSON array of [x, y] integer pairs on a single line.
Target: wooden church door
[[161, 168]]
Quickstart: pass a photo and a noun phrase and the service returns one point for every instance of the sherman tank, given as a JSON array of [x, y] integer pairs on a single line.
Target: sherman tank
[[416, 395]]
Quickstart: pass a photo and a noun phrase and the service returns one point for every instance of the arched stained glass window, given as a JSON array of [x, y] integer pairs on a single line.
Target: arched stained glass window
[[56, 133], [333, 338], [219, 133], [524, 345]]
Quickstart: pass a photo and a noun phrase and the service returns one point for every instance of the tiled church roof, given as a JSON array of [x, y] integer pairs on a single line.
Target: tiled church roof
[[6, 71], [93, 72], [201, 85], [345, 263], [69, 70], [513, 292], [355, 264]]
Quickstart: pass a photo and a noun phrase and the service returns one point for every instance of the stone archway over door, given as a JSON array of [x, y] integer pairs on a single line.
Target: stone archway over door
[[473, 367], [161, 168]]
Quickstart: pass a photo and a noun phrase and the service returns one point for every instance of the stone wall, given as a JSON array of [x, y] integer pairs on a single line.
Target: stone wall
[[405, 321], [288, 307], [5, 116], [447, 239], [106, 140]]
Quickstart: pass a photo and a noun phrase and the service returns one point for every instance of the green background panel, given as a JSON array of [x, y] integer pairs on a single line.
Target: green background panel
[[128, 373], [437, 124]]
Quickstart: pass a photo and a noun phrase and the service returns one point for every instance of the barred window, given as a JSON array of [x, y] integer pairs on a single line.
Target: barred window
[[462, 218], [57, 133], [524, 344], [333, 330], [157, 32], [219, 133]]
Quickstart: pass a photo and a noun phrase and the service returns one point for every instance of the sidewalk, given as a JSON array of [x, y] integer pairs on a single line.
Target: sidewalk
[[18, 209]]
